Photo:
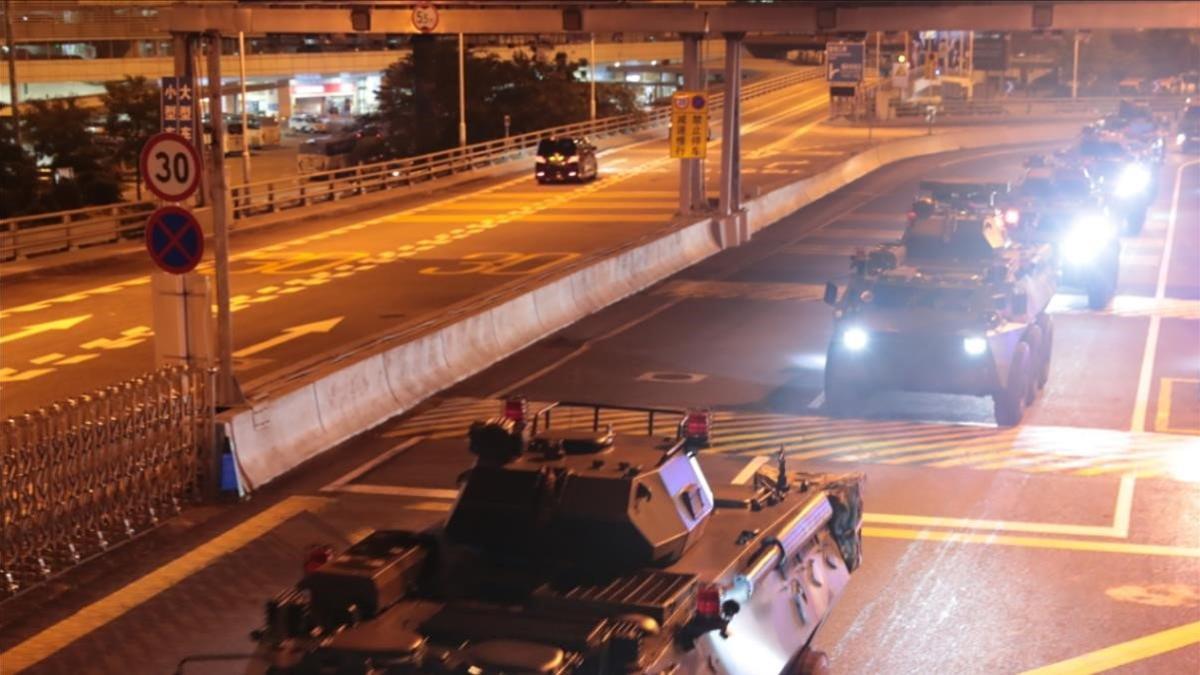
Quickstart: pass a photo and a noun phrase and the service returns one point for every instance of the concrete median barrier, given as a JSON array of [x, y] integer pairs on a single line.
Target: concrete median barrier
[[296, 415]]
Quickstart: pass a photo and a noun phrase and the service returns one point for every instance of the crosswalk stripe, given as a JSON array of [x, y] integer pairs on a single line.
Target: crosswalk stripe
[[1030, 449]]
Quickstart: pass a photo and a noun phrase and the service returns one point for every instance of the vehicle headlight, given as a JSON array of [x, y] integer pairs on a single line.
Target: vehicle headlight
[[974, 345], [1133, 181], [1181, 139], [1088, 237], [855, 339], [1012, 216]]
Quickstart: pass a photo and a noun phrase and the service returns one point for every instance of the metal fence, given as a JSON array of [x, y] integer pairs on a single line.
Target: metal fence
[[1017, 107], [65, 230], [86, 474]]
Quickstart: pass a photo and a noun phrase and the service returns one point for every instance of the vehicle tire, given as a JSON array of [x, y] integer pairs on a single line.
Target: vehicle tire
[[1008, 403], [841, 395], [809, 662], [1043, 371], [1100, 293], [1033, 338], [1134, 220]]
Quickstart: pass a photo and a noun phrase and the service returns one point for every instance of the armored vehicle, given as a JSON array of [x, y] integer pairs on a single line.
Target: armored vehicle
[[954, 307], [585, 551], [1124, 178], [1056, 204]]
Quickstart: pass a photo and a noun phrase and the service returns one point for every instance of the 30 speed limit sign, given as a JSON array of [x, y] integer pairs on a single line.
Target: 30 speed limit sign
[[170, 166]]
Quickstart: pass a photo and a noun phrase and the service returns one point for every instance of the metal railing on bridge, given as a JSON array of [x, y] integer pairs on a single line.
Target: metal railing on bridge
[[47, 233], [83, 475], [1028, 107]]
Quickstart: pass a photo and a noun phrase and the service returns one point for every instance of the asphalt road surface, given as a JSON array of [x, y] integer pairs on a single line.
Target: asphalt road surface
[[310, 287], [1070, 542]]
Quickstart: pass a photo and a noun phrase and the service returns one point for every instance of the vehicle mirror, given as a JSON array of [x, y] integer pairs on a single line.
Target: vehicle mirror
[[1020, 304], [831, 293]]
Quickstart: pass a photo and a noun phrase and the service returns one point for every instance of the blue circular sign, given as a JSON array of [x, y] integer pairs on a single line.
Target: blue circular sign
[[698, 102], [174, 239]]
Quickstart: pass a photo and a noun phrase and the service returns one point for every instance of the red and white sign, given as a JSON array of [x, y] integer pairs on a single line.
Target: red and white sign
[[170, 166], [425, 17]]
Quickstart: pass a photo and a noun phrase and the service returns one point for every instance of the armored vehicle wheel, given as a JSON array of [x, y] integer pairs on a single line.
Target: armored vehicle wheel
[[1033, 338], [1008, 403], [1043, 372], [1100, 292], [1134, 220], [808, 662], [841, 395]]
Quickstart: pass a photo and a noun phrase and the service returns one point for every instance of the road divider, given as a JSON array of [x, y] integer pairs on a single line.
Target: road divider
[[296, 414]]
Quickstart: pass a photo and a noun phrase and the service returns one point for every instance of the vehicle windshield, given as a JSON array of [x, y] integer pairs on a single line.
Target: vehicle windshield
[[551, 146], [897, 296]]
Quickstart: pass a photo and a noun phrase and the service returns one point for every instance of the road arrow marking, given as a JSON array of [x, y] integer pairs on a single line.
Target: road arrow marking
[[61, 324], [288, 335]]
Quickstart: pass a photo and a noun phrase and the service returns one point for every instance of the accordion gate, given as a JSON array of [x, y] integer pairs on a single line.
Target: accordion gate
[[82, 475]]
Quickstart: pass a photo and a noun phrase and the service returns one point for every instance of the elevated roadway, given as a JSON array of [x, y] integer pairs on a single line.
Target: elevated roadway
[[308, 287], [1068, 543]]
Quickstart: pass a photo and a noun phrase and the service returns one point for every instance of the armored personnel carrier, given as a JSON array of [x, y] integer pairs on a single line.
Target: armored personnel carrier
[[954, 307], [1056, 204], [585, 552]]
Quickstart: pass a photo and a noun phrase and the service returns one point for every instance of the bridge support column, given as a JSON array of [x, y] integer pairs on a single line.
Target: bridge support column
[[731, 222], [691, 171]]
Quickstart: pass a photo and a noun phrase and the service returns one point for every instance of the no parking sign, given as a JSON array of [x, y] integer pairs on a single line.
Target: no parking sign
[[174, 239]]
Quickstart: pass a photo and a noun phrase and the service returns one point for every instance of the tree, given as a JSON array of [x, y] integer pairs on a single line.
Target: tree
[[131, 118], [18, 175], [80, 166], [535, 94]]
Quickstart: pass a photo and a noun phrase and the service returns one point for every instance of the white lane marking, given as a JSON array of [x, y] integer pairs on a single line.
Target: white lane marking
[[1145, 380], [1124, 508], [747, 471], [371, 464], [818, 401]]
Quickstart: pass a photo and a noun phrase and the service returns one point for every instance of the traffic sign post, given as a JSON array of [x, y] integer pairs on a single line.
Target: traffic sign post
[[174, 240], [845, 62], [689, 125], [170, 166]]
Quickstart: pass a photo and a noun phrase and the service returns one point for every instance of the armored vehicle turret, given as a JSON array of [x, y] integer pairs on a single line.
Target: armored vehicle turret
[[586, 551], [954, 307]]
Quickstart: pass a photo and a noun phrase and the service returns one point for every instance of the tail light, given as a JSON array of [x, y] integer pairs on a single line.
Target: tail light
[[516, 409], [316, 557], [1012, 216], [708, 601], [696, 426]]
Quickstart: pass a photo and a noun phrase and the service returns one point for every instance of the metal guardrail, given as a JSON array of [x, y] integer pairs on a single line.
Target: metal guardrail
[[83, 475], [1038, 106], [46, 233]]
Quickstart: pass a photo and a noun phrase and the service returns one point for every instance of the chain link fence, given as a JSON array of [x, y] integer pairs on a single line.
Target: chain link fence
[[83, 475]]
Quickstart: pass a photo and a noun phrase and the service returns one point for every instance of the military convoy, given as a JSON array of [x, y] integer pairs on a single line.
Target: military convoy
[[573, 551], [956, 307]]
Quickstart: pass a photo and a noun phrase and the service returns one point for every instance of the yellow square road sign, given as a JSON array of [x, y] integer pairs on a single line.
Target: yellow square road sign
[[689, 125]]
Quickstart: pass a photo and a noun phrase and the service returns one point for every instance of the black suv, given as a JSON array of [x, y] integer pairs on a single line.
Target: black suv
[[565, 159]]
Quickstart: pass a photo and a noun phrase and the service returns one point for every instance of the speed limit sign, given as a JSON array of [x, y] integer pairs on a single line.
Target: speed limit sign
[[170, 166]]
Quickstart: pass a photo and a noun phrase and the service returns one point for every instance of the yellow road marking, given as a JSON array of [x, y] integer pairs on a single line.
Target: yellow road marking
[[1125, 652], [1157, 595], [48, 358], [78, 358], [14, 375], [430, 506], [36, 329], [1162, 417], [40, 646], [1033, 542]]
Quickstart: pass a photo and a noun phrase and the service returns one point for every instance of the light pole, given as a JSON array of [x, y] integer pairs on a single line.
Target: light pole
[[592, 78], [462, 92], [245, 113], [1075, 69], [13, 99]]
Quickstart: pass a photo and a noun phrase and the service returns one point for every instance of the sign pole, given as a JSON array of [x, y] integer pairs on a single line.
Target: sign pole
[[592, 78], [228, 393], [245, 113], [462, 91]]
